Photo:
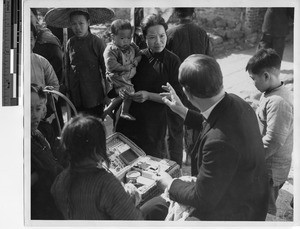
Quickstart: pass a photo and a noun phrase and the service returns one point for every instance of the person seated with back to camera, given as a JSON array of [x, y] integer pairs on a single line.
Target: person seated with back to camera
[[44, 166], [121, 58], [86, 189]]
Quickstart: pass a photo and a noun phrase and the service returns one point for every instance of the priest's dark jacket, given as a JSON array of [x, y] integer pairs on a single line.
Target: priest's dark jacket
[[231, 183]]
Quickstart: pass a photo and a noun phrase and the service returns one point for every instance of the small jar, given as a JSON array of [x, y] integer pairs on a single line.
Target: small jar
[[132, 176]]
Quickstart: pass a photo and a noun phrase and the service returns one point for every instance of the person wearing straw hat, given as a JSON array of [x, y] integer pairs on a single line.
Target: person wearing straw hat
[[84, 53]]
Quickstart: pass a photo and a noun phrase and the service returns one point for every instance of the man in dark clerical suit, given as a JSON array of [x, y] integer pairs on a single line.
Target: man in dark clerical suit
[[231, 183]]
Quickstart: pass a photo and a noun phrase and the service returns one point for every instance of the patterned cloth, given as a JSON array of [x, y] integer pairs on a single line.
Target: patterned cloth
[[90, 193]]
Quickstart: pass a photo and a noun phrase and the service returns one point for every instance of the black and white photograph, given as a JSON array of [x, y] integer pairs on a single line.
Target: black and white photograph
[[161, 114]]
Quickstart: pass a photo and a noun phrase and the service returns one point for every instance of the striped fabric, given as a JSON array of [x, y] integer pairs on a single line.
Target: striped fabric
[[94, 194]]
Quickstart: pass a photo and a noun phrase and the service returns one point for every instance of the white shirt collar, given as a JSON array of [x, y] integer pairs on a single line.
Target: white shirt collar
[[207, 112]]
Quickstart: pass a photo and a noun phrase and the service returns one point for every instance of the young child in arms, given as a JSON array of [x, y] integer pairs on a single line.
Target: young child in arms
[[121, 57]]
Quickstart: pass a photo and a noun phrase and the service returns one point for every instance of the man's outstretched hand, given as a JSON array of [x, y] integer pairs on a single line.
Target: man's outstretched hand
[[171, 99]]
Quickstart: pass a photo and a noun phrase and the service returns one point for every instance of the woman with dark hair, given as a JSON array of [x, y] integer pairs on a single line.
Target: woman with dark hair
[[86, 190], [157, 67]]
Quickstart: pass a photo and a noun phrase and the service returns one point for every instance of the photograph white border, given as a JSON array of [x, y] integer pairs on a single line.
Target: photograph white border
[[16, 120]]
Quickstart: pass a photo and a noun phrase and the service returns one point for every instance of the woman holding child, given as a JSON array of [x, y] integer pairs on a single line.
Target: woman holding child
[[157, 67]]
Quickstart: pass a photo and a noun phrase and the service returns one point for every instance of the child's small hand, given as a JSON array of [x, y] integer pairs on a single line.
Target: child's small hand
[[140, 96], [135, 62], [50, 88], [124, 94], [128, 67]]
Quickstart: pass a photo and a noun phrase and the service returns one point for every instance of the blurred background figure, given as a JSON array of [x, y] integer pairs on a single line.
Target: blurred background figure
[[186, 37], [50, 47], [138, 38], [275, 28], [43, 74]]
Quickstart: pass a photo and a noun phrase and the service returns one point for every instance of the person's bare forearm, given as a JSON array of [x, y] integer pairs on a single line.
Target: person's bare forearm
[[182, 112], [155, 97]]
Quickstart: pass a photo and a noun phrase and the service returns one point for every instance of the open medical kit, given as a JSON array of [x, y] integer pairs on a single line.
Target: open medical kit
[[129, 163]]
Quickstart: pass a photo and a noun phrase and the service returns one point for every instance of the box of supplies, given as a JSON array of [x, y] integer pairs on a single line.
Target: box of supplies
[[129, 163]]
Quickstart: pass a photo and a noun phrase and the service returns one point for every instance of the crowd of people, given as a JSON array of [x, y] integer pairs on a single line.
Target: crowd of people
[[166, 97]]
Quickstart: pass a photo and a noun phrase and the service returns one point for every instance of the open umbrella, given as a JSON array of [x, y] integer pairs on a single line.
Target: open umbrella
[[60, 17]]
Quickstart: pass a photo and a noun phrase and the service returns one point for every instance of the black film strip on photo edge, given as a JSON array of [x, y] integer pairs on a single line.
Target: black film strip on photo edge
[[11, 52]]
